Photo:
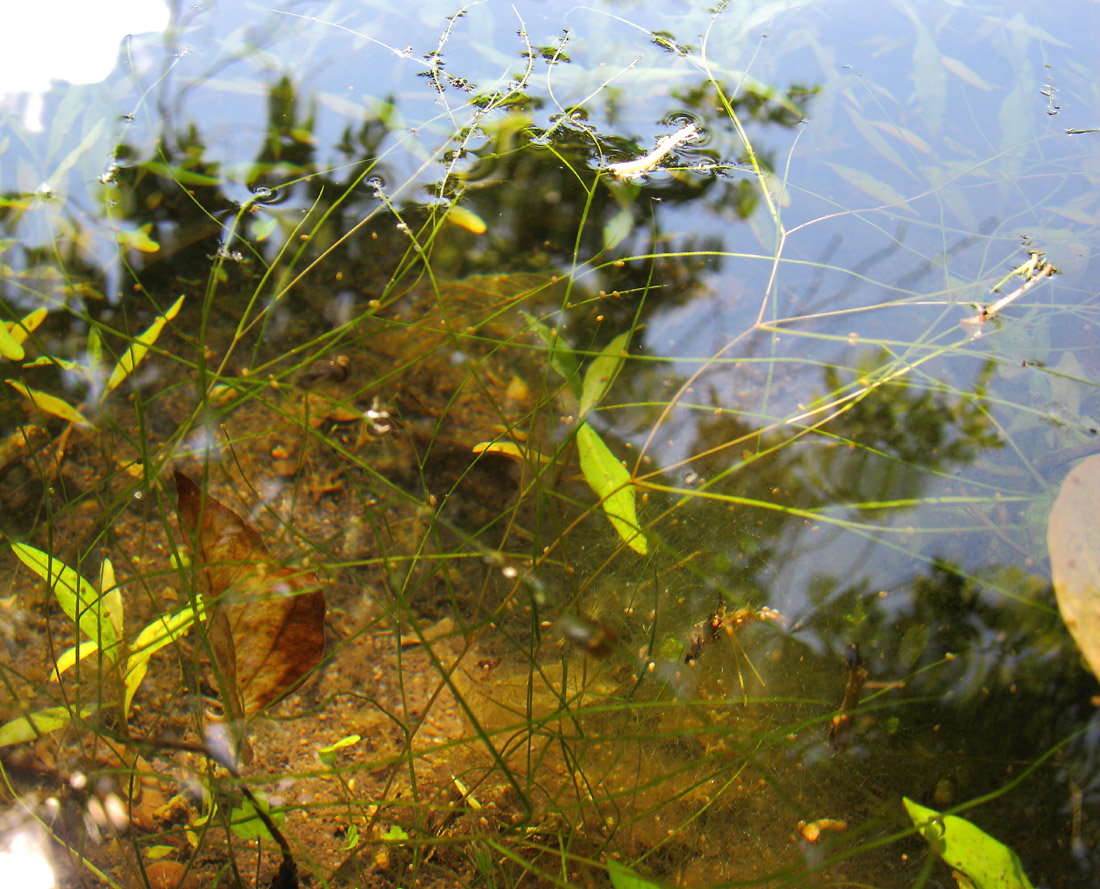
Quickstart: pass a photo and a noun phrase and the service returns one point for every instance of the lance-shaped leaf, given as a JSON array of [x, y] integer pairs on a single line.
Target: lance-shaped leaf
[[140, 346], [50, 404], [266, 622], [80, 601], [611, 482], [601, 373], [987, 863]]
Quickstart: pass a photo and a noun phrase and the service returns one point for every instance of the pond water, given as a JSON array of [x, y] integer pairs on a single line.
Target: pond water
[[665, 521]]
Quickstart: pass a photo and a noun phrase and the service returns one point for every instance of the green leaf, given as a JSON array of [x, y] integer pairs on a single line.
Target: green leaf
[[611, 482], [77, 597], [246, 824], [29, 727], [617, 228], [601, 373], [328, 754], [622, 877], [987, 863], [395, 834], [178, 174], [562, 358], [140, 346]]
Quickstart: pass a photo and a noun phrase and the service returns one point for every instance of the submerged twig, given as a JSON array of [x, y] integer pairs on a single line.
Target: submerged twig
[[1033, 271], [643, 165]]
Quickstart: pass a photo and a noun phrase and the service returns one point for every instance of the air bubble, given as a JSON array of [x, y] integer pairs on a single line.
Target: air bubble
[[262, 193]]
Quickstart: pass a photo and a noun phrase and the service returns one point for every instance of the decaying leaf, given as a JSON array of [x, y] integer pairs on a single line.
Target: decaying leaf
[[266, 622], [1073, 538]]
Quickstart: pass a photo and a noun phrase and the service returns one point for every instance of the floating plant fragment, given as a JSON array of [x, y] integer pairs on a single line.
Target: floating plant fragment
[[1073, 538]]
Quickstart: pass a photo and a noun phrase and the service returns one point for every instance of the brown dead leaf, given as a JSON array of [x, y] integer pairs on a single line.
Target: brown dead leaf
[[267, 622], [1073, 537]]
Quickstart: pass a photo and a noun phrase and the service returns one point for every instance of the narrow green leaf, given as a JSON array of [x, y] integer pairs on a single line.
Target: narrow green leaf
[[77, 597], [178, 174], [140, 346], [610, 481], [622, 877], [246, 824], [50, 404], [601, 373], [987, 863], [562, 358]]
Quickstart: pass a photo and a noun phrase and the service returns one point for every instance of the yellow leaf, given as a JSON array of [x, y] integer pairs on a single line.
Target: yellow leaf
[[466, 219], [140, 346], [139, 239], [9, 347], [510, 448], [50, 404], [20, 330]]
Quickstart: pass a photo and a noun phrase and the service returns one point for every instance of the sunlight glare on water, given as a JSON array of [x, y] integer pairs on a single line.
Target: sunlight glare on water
[[25, 863], [84, 51]]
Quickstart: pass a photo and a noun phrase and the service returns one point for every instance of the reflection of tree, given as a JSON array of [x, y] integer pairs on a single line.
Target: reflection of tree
[[886, 446]]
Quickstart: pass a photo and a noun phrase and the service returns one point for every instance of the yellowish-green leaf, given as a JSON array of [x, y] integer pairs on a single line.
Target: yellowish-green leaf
[[29, 727], [466, 219], [617, 228], [261, 227], [179, 174], [139, 239], [150, 640], [74, 654], [20, 330], [50, 404], [112, 598], [985, 862], [9, 348], [76, 596], [611, 482], [622, 877], [140, 346], [562, 358], [601, 373]]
